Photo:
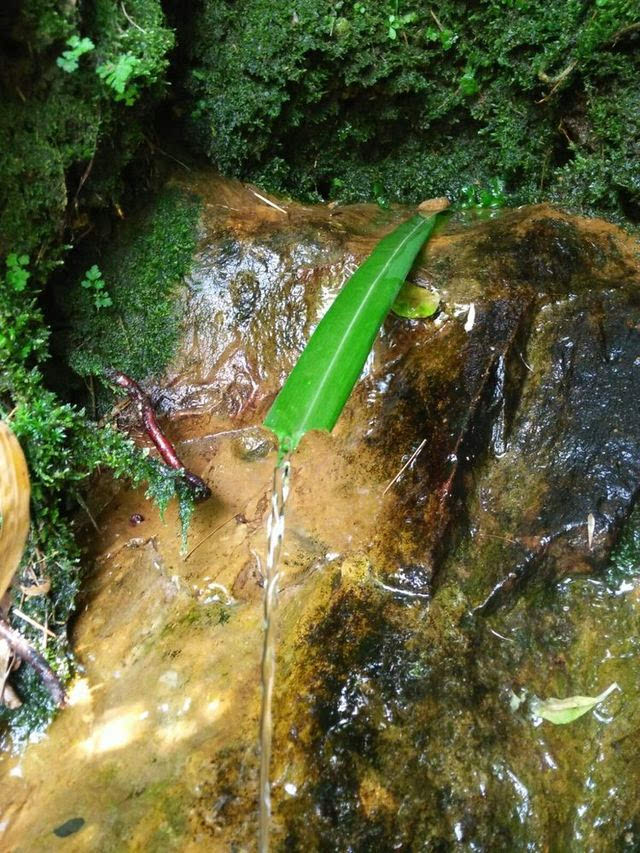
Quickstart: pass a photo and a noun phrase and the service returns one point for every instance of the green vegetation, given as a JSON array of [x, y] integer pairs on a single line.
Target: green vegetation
[[323, 377], [66, 140], [63, 448], [423, 101], [64, 135], [137, 332], [70, 59], [94, 282]]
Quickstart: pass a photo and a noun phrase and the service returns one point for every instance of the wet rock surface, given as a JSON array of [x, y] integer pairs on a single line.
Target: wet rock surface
[[412, 611]]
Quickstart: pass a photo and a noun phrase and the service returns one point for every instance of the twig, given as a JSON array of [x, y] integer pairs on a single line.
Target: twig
[[84, 178], [131, 21], [556, 80], [21, 615], [624, 30], [220, 526], [406, 465], [270, 203], [544, 78], [24, 651], [501, 538], [154, 145], [198, 487], [209, 535], [9, 666], [87, 510], [436, 19]]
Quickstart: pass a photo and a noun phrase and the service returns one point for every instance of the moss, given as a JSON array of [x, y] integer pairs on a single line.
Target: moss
[[534, 92], [202, 616], [150, 255], [62, 447], [65, 137]]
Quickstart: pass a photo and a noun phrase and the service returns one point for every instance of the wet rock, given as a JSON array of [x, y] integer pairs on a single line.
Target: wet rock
[[414, 599]]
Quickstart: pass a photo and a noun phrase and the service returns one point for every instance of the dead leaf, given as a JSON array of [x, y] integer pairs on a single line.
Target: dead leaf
[[561, 711], [36, 589]]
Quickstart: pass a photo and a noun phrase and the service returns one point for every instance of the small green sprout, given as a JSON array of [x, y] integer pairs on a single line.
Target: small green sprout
[[78, 47], [468, 82], [399, 22], [380, 195], [17, 275], [444, 36], [94, 282], [117, 75], [491, 196]]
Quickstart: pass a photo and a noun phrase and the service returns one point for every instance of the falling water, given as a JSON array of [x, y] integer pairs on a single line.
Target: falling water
[[275, 534]]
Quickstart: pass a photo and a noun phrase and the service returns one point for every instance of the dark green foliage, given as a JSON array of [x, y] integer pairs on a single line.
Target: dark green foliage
[[59, 117], [63, 449], [543, 94], [71, 120]]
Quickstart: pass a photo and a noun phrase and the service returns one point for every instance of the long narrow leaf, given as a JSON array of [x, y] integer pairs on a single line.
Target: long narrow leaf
[[322, 379]]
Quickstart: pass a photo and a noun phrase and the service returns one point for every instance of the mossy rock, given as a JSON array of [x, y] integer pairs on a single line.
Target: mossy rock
[[332, 103]]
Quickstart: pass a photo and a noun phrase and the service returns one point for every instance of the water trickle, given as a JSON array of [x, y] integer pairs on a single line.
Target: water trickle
[[275, 535]]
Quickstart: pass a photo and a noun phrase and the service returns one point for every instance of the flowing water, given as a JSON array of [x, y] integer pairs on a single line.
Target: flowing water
[[275, 536]]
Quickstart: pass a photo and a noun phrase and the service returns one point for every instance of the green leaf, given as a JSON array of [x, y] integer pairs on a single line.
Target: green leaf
[[321, 381], [415, 302], [93, 273], [561, 711], [69, 59], [117, 74]]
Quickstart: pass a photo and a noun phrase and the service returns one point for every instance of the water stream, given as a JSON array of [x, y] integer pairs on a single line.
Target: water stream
[[275, 535]]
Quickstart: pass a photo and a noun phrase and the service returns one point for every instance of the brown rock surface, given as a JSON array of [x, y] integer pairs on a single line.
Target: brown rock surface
[[520, 390]]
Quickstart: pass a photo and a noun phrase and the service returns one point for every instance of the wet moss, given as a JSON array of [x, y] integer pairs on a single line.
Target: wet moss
[[333, 105], [66, 137], [201, 616], [142, 267]]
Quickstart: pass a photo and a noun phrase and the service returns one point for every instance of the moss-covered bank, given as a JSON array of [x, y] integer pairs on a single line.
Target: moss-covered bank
[[79, 84], [400, 100]]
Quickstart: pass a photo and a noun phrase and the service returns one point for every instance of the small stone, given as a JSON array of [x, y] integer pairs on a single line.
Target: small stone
[[252, 445], [69, 827]]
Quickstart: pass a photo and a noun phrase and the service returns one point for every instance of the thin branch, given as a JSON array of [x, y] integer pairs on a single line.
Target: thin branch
[[406, 465], [270, 203], [624, 31], [130, 19], [21, 615]]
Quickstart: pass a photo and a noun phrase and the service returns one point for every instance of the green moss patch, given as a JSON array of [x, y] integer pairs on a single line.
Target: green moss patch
[[348, 100], [141, 268]]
